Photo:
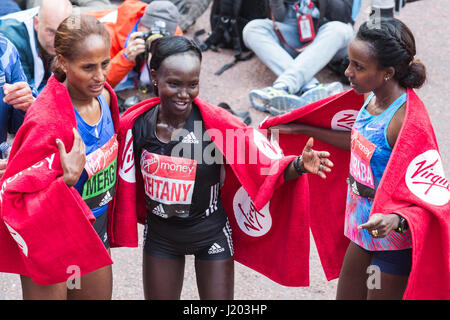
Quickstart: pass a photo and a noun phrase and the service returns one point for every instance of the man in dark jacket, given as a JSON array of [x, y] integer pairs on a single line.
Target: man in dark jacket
[[331, 21]]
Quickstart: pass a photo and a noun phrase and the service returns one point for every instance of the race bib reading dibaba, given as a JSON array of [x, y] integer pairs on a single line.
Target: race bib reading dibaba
[[360, 176]]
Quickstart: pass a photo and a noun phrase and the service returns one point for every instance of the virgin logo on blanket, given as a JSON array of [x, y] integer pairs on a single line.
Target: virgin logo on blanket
[[251, 221], [127, 168], [344, 120], [425, 178], [18, 238]]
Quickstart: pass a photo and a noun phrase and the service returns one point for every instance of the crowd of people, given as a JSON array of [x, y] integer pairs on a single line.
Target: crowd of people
[[171, 164]]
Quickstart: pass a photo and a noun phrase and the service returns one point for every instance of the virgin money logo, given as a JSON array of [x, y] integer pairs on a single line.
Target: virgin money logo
[[251, 221], [102, 157], [425, 178], [127, 169], [344, 120], [150, 163]]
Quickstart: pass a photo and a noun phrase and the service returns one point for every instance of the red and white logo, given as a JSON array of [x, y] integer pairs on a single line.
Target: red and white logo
[[344, 120], [268, 149], [168, 180], [425, 178], [127, 170], [102, 157], [251, 221], [18, 238], [150, 163]]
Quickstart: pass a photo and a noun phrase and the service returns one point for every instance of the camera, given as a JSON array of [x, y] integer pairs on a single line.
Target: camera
[[158, 30]]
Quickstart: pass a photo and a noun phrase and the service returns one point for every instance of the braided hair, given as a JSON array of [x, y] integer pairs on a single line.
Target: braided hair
[[393, 45]]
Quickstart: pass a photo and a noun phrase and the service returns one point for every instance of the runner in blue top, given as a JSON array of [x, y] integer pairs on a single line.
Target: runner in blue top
[[81, 64], [96, 183], [382, 66], [366, 169]]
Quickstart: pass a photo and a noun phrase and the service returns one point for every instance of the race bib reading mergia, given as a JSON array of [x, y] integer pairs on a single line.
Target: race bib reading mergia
[[360, 176], [169, 182], [101, 167]]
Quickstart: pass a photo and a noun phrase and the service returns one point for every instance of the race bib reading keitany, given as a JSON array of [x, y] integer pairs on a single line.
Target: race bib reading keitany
[[101, 167], [360, 175], [169, 183]]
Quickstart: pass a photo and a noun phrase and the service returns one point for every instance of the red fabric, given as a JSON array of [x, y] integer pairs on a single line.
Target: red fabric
[[416, 188], [128, 14], [327, 197], [270, 233], [413, 186], [52, 225]]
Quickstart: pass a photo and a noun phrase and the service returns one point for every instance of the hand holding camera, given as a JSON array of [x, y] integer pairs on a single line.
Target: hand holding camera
[[135, 46]]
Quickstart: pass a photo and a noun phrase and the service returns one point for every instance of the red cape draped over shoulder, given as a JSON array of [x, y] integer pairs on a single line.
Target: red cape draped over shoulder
[[413, 186], [269, 216], [46, 228]]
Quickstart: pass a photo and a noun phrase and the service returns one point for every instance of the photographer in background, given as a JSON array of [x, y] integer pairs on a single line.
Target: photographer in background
[[309, 34], [127, 27]]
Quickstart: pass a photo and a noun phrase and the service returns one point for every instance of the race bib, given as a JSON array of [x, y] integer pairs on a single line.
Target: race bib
[[169, 183], [360, 176], [101, 166]]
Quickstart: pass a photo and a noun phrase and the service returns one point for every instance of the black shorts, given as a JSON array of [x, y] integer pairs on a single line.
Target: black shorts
[[398, 262], [216, 245], [100, 226]]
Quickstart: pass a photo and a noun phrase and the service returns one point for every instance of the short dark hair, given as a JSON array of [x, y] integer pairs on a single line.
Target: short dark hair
[[393, 45], [168, 46]]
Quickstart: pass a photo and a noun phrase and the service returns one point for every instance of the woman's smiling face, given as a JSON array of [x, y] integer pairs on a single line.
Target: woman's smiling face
[[178, 80]]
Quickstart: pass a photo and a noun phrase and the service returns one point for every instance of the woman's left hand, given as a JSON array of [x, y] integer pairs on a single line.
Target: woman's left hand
[[316, 162], [380, 225]]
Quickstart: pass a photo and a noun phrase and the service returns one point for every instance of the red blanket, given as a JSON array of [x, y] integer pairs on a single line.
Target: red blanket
[[269, 217], [46, 228], [413, 186]]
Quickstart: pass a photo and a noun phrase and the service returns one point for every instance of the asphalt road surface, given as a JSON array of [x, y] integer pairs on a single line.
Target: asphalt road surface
[[428, 19]]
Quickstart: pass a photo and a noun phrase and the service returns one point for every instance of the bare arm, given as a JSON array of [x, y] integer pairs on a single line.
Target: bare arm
[[339, 139], [395, 126]]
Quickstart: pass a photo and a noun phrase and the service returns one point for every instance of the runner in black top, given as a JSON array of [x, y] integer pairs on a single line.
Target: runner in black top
[[184, 211], [180, 222]]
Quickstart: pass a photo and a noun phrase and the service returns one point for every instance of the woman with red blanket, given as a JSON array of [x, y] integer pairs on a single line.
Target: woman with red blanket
[[178, 179], [50, 201], [397, 200]]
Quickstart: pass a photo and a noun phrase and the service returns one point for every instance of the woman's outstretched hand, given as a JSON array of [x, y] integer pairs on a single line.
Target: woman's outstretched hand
[[316, 162], [72, 162]]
